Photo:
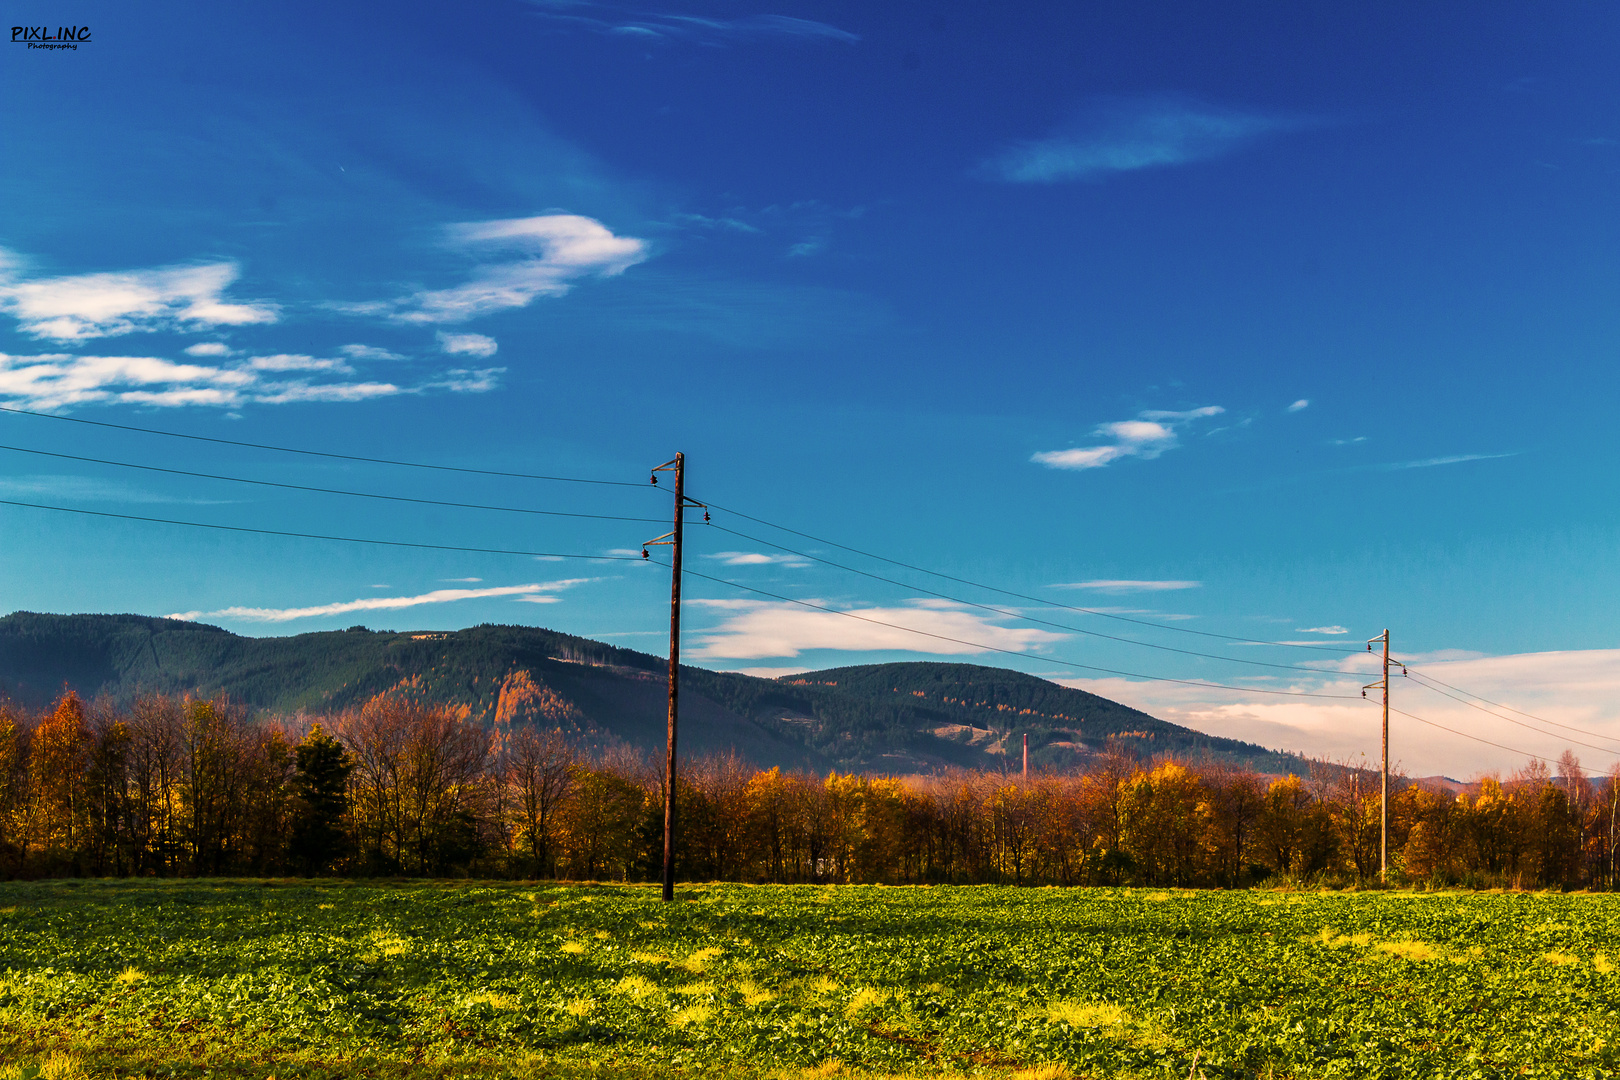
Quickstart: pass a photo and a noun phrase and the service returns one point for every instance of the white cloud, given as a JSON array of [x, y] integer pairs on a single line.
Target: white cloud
[[1579, 688], [70, 488], [1454, 459], [58, 380], [1149, 435], [467, 344], [755, 558], [368, 352], [101, 305], [1117, 586], [554, 250], [463, 580], [1126, 135], [1322, 630], [294, 362], [636, 23], [467, 380], [1302, 403], [208, 348], [384, 603], [758, 629]]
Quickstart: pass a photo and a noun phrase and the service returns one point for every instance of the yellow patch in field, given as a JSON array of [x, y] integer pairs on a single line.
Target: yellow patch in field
[[1553, 926], [1334, 940], [573, 948], [1158, 897], [603, 935], [1050, 1071], [698, 961], [1560, 959], [636, 986], [323, 907], [867, 997], [697, 989], [61, 1067], [1409, 950], [494, 1001], [130, 976], [649, 958], [752, 993], [830, 1067], [823, 984], [580, 1008], [1602, 963], [1086, 1014], [692, 1014], [391, 945]]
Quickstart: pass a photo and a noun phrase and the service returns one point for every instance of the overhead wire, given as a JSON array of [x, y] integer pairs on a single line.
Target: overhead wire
[[1024, 596], [1527, 727], [1568, 727], [319, 453], [978, 645], [319, 536], [324, 490], [1004, 611]]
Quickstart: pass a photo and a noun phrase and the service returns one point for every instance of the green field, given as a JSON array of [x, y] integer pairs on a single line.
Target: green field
[[418, 979]]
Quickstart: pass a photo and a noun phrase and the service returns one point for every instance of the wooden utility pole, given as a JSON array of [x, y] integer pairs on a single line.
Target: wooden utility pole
[[1383, 811], [672, 540], [1026, 755]]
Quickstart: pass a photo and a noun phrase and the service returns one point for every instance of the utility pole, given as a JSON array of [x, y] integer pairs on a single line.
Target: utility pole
[[672, 540], [1026, 755], [1383, 810]]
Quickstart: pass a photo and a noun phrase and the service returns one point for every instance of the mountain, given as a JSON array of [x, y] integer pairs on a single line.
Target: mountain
[[896, 718]]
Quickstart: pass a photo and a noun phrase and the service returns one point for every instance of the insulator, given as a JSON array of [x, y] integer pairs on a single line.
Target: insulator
[[655, 480], [705, 515], [644, 555]]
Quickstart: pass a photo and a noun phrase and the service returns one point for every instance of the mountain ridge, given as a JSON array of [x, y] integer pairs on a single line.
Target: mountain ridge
[[896, 718]]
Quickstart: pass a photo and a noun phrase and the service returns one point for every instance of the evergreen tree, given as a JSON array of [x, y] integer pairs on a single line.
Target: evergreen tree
[[320, 799]]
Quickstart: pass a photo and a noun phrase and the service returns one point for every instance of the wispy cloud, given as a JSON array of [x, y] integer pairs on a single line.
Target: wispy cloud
[[59, 380], [467, 344], [520, 259], [758, 629], [627, 21], [1149, 435], [1114, 587], [1453, 459], [756, 558], [1124, 135], [536, 593], [85, 306], [365, 352], [1321, 630], [70, 488], [1302, 403]]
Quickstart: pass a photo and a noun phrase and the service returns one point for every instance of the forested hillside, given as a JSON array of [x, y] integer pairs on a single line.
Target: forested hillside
[[894, 718]]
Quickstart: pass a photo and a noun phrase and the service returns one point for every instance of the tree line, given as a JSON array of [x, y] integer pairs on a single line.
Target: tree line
[[188, 786]]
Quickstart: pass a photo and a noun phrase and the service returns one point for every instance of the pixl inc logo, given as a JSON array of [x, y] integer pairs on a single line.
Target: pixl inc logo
[[40, 37]]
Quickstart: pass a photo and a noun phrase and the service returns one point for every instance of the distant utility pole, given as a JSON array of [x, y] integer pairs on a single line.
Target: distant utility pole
[[1383, 811], [672, 540], [1026, 755]]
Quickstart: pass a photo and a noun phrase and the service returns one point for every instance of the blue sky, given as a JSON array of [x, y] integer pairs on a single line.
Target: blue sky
[[1285, 325]]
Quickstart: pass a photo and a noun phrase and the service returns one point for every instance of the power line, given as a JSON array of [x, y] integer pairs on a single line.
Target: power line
[[319, 536], [318, 453], [1013, 652], [1464, 734], [1509, 708], [1010, 614], [1527, 727], [1026, 596], [323, 490]]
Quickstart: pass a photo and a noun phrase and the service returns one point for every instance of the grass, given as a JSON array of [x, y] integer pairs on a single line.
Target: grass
[[388, 979]]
